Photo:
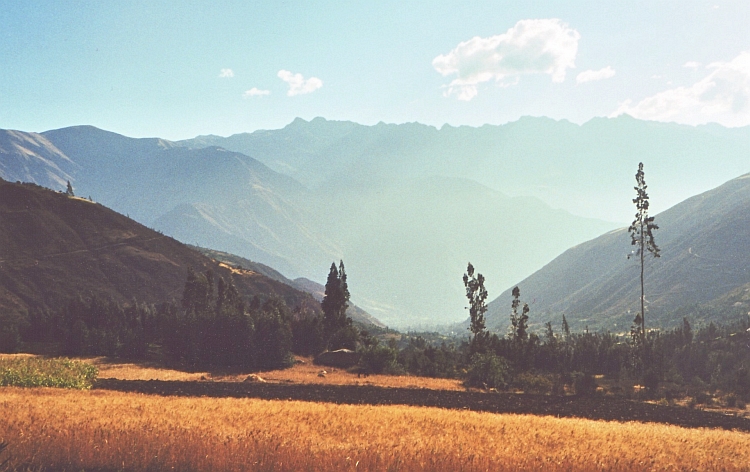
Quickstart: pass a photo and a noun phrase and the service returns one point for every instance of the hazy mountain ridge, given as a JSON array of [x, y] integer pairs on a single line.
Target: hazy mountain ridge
[[704, 260], [585, 169]]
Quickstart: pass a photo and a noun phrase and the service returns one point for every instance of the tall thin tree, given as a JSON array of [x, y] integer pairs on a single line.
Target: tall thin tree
[[519, 322], [642, 236], [477, 296]]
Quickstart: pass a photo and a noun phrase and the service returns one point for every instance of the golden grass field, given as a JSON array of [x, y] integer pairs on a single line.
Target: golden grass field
[[59, 429], [56, 429], [304, 372]]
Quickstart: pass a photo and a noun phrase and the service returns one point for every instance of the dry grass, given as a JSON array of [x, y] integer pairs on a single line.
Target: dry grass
[[305, 372], [109, 369], [59, 429]]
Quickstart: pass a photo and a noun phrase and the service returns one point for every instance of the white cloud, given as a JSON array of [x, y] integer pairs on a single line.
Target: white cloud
[[255, 92], [546, 46], [226, 73], [723, 96], [298, 85], [592, 75], [691, 65]]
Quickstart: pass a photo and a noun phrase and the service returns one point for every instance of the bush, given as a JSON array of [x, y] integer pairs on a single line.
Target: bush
[[344, 338], [38, 372], [534, 383], [379, 359], [651, 380], [488, 371], [730, 400], [703, 398], [584, 384]]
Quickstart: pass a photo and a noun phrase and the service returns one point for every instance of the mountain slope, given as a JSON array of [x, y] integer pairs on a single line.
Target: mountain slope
[[54, 247], [210, 197], [315, 289], [30, 157], [704, 245]]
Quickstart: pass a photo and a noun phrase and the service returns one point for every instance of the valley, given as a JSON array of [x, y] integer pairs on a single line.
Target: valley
[[387, 198], [380, 236]]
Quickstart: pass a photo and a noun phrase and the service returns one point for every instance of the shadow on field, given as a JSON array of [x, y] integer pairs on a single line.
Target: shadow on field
[[597, 408]]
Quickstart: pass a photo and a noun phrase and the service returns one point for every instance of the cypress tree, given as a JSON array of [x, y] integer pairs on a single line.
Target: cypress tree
[[335, 302]]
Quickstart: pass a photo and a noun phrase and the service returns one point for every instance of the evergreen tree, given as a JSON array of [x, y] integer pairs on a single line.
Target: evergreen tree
[[69, 190], [335, 302], [565, 328], [642, 236]]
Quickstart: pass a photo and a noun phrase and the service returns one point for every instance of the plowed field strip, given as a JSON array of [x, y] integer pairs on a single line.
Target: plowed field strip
[[597, 408]]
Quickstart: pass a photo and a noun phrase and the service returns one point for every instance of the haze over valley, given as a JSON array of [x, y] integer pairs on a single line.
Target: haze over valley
[[406, 206]]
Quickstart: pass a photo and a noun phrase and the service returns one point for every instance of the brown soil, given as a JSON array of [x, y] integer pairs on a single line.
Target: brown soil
[[599, 408]]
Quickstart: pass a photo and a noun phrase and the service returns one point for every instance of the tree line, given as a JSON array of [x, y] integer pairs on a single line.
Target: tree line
[[212, 326]]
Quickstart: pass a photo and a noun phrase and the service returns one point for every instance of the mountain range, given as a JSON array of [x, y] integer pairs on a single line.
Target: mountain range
[[386, 231], [405, 206], [585, 169]]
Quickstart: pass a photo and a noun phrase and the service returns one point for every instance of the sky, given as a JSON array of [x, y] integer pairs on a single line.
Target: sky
[[178, 69]]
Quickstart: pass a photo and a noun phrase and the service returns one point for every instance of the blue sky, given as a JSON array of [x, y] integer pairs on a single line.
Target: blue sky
[[176, 69]]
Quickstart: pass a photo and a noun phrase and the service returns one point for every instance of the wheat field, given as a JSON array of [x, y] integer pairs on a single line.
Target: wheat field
[[304, 371], [57, 429]]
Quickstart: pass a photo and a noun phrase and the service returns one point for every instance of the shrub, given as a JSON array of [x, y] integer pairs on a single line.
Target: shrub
[[534, 383], [584, 384], [488, 371], [344, 338], [651, 380], [703, 398], [730, 400], [38, 372], [379, 359]]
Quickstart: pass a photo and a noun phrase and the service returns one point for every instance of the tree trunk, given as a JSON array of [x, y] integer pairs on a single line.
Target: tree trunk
[[643, 295]]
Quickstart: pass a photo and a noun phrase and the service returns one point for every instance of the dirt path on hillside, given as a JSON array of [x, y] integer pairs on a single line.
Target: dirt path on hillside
[[612, 409]]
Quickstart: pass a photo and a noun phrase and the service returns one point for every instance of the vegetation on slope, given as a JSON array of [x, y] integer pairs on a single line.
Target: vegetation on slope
[[55, 248]]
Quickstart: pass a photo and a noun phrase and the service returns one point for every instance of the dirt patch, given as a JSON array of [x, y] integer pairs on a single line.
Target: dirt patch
[[611, 409]]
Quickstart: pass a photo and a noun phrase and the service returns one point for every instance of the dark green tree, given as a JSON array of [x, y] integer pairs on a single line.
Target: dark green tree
[[335, 303], [273, 335], [642, 236], [477, 296], [69, 190], [565, 328]]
